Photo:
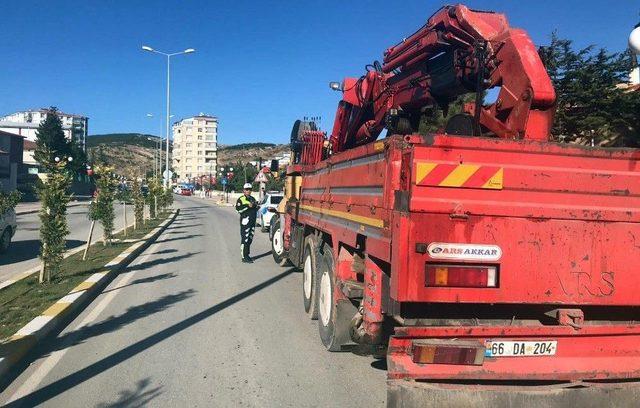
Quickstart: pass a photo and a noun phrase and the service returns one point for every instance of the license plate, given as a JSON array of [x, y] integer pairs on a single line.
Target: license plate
[[520, 348]]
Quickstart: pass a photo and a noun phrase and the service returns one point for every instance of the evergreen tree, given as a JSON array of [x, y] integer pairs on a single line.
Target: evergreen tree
[[80, 158], [53, 217], [51, 141], [154, 197], [240, 170], [101, 208], [590, 99], [274, 183], [436, 119], [8, 201], [166, 199], [138, 201]]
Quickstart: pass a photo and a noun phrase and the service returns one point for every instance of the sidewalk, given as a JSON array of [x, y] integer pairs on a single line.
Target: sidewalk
[[220, 198]]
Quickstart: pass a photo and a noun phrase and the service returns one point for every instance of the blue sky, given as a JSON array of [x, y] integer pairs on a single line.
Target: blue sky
[[259, 65]]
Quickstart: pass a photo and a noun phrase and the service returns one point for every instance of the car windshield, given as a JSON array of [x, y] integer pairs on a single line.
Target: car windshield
[[276, 199]]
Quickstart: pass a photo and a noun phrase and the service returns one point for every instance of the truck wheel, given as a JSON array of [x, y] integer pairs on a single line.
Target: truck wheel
[[333, 320], [5, 240], [309, 278], [277, 246]]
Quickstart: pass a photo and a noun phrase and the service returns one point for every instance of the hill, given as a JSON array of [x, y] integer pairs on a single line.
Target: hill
[[133, 153], [128, 153], [136, 139], [243, 146], [247, 152]]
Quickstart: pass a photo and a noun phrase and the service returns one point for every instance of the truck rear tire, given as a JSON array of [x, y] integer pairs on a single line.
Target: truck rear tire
[[310, 277], [333, 317], [277, 246]]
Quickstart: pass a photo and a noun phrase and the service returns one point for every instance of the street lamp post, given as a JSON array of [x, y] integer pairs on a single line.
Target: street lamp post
[[168, 55], [157, 164]]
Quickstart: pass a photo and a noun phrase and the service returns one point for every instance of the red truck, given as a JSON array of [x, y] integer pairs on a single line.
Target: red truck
[[484, 256]]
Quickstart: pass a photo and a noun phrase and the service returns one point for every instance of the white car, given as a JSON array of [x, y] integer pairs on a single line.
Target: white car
[[8, 227], [270, 200]]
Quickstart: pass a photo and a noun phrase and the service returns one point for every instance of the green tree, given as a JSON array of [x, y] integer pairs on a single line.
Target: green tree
[[53, 193], [590, 99], [138, 201], [154, 196], [101, 208], [166, 198], [51, 143], [275, 184], [242, 173], [8, 201], [435, 119], [80, 158]]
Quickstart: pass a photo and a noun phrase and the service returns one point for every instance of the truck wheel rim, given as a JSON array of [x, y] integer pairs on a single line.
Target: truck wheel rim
[[325, 299], [277, 245], [307, 277]]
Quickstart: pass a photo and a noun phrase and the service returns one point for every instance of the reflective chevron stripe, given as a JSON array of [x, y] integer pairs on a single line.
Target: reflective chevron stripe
[[458, 175]]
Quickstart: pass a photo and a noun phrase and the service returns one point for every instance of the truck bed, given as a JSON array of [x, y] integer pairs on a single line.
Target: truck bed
[[565, 219], [559, 225]]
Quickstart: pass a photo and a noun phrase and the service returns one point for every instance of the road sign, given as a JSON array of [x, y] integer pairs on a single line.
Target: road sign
[[167, 174], [224, 181], [261, 178]]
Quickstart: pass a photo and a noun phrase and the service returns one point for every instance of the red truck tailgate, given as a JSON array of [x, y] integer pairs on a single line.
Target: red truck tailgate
[[564, 220]]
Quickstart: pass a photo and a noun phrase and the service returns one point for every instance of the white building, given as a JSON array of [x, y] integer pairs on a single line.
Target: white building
[[26, 123], [195, 147], [285, 159], [28, 130]]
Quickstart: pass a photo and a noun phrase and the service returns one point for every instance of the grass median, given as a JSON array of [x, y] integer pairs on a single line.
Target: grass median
[[26, 299]]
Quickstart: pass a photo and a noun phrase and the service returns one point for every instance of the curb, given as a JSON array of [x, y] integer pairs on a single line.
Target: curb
[[72, 204], [36, 269], [217, 202], [37, 330]]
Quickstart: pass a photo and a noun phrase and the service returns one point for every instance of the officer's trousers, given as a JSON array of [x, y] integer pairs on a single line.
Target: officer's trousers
[[247, 228]]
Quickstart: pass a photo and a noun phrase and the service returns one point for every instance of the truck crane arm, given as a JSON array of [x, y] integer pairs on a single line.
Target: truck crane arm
[[458, 51]]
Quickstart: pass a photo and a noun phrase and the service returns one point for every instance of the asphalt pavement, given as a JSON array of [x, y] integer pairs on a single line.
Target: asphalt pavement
[[25, 245], [188, 324]]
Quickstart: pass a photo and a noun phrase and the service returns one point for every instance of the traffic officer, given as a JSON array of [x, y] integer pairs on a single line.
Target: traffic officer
[[247, 206]]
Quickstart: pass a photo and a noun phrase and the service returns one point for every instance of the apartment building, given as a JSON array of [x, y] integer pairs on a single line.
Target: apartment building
[[25, 123], [195, 147]]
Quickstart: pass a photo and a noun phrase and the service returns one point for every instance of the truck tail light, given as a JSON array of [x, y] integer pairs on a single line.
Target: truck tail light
[[447, 352], [462, 276]]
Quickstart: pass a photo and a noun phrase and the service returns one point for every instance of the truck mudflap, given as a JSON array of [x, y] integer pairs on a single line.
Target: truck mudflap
[[603, 353], [409, 393]]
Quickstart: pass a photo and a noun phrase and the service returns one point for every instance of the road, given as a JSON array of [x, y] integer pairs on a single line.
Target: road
[[187, 324], [25, 246]]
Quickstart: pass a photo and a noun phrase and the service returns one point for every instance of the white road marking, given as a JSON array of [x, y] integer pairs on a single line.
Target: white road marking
[[34, 380], [34, 325]]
